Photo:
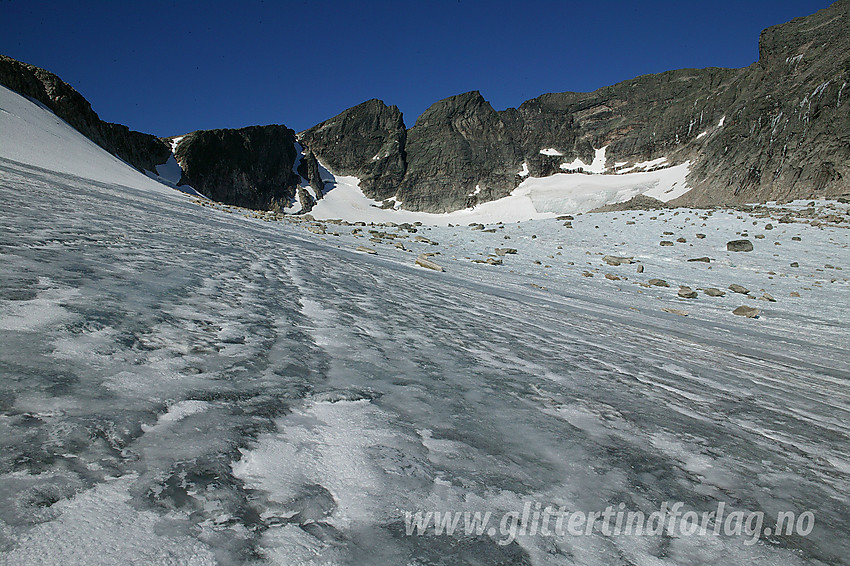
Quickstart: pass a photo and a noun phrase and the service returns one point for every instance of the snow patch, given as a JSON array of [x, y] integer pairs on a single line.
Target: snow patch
[[550, 151], [597, 166], [524, 172], [170, 170], [645, 166], [177, 412]]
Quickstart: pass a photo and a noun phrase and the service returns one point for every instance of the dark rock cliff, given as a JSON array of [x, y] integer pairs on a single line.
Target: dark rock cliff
[[787, 131], [250, 167], [366, 141], [142, 151]]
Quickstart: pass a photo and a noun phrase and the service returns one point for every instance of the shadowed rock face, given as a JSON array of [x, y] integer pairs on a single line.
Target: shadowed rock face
[[142, 151], [366, 141], [644, 118], [250, 167]]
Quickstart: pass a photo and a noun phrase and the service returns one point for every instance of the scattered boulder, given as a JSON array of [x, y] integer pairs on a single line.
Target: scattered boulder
[[701, 259], [713, 292], [489, 260], [700, 236], [767, 297], [611, 277], [795, 294], [364, 249], [796, 238], [640, 268], [423, 261], [749, 312], [735, 288], [795, 264], [504, 251], [681, 240], [687, 293], [616, 260], [658, 282], [739, 246], [675, 311], [666, 243]]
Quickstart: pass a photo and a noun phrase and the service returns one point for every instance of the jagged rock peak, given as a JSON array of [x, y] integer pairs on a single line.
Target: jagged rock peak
[[366, 141], [459, 151]]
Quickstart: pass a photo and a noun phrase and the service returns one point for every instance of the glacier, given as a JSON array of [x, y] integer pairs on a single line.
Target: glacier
[[187, 384]]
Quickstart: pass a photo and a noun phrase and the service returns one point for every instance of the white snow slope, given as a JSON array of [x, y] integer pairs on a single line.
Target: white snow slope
[[183, 384], [31, 134]]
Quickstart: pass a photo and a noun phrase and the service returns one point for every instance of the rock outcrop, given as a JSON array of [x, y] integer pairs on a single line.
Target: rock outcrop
[[366, 141], [459, 152], [250, 167], [142, 151], [787, 132]]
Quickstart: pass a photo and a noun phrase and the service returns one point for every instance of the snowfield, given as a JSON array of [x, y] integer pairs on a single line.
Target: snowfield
[[535, 198], [191, 383]]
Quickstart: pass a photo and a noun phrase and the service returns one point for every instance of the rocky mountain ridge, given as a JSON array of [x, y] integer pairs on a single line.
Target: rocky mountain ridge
[[778, 129], [143, 151]]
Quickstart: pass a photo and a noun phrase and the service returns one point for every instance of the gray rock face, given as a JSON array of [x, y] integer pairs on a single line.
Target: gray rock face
[[644, 118], [456, 145], [366, 141], [787, 130], [250, 167], [142, 151], [309, 169]]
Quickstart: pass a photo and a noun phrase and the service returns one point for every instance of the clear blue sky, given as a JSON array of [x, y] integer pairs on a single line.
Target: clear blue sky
[[173, 67]]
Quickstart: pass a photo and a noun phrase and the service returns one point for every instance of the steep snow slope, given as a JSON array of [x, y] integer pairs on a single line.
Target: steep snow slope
[[30, 133]]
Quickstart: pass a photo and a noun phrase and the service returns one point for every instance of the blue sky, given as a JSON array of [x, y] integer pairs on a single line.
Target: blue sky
[[172, 67]]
